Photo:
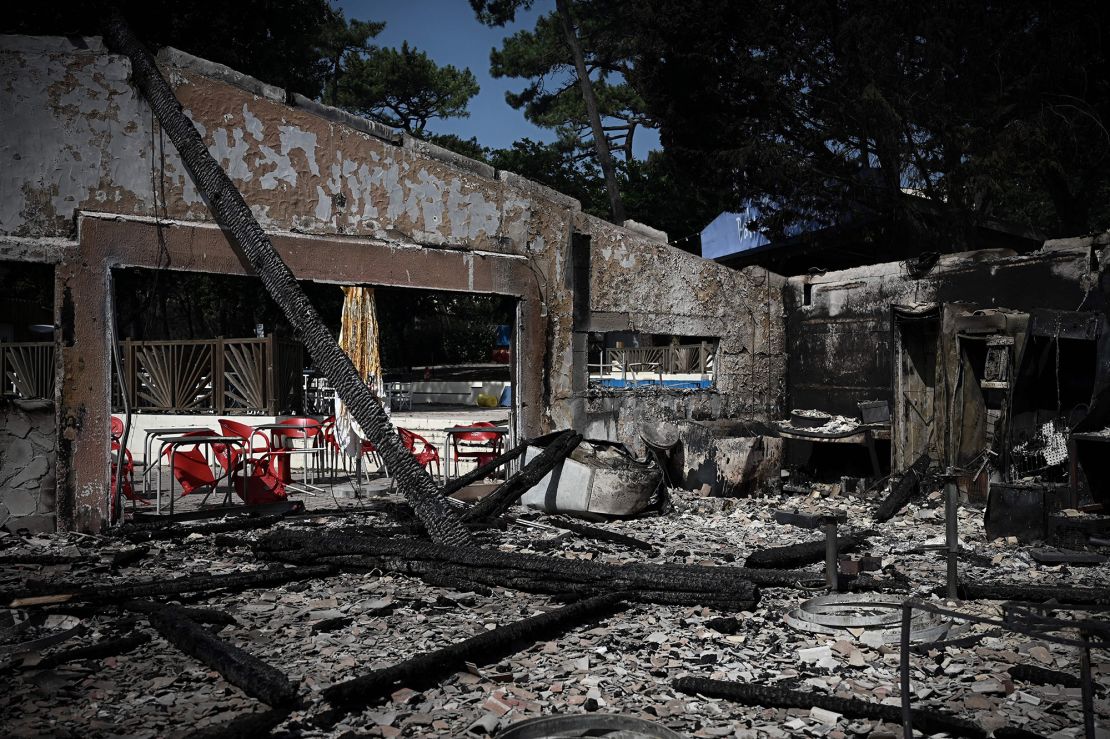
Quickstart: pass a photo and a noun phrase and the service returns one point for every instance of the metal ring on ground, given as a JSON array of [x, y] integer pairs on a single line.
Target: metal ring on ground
[[836, 613]]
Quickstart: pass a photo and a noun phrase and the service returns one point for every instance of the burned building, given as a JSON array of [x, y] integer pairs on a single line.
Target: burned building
[[986, 366]]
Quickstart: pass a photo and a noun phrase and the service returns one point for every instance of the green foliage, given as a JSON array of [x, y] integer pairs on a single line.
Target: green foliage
[[816, 108], [552, 98], [404, 88], [341, 41]]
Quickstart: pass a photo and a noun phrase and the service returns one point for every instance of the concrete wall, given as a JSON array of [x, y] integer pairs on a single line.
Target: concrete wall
[[841, 340], [90, 183], [27, 465]]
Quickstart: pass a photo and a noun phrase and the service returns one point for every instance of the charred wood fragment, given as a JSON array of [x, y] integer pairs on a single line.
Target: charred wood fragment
[[509, 492], [484, 470], [211, 616], [962, 642], [931, 722], [428, 669], [906, 488], [197, 583], [799, 555], [1042, 676], [101, 650], [128, 557], [247, 726], [599, 534], [1035, 593], [41, 559], [240, 668], [218, 527]]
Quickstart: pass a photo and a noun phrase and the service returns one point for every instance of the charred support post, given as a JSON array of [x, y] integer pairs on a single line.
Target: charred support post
[[952, 534], [904, 669], [831, 577]]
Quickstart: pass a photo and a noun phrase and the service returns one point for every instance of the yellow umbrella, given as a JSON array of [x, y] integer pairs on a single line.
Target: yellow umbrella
[[358, 336]]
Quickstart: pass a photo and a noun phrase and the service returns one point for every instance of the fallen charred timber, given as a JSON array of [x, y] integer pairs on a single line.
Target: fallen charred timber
[[100, 650], [799, 555], [192, 584], [1035, 593], [177, 531], [906, 488], [678, 584], [511, 490], [484, 470], [931, 722], [240, 668], [428, 669], [128, 557], [962, 642], [1042, 676], [248, 726], [599, 534]]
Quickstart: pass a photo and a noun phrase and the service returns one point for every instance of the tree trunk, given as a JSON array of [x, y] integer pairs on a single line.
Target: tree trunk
[[601, 144], [234, 215]]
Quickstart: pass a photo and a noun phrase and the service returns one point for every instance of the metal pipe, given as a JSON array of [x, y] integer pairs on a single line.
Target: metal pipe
[[1088, 688], [952, 534], [904, 670], [831, 576]]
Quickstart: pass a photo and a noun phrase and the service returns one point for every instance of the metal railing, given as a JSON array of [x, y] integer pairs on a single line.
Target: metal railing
[[27, 370], [212, 375], [662, 360]]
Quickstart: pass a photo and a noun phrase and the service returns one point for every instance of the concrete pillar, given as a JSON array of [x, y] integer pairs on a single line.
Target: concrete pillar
[[83, 393]]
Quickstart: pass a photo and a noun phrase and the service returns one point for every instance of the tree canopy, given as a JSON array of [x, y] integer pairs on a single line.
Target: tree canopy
[[991, 110], [405, 88]]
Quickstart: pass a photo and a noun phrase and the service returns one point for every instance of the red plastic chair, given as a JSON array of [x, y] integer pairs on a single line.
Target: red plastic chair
[[127, 486], [306, 429], [117, 428], [243, 431], [257, 480], [427, 452], [190, 467], [481, 446]]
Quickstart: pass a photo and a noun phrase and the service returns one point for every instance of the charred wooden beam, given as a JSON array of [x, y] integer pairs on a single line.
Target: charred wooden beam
[[234, 215], [128, 557], [799, 555], [509, 492], [599, 534], [1042, 676], [247, 726], [196, 583], [962, 642], [178, 531], [429, 668], [100, 650], [240, 668], [510, 569], [1035, 593], [484, 470], [931, 722], [903, 490]]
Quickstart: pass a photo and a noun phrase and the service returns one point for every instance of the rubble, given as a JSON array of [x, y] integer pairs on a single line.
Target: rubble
[[323, 630]]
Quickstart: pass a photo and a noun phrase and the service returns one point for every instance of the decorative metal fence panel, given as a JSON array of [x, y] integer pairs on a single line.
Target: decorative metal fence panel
[[27, 370], [667, 360], [212, 375]]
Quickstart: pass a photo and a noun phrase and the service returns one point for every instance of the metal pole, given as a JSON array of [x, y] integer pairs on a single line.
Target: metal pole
[[904, 670], [952, 534], [1088, 688], [831, 577]]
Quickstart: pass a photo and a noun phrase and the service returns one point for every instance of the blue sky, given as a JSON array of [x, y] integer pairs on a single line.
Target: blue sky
[[450, 34]]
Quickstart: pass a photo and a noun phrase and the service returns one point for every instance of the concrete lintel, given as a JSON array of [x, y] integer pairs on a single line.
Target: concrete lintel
[[44, 250], [170, 56], [357, 122], [434, 151]]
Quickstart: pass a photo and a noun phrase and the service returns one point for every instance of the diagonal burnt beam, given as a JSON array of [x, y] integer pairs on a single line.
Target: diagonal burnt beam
[[234, 215], [429, 668]]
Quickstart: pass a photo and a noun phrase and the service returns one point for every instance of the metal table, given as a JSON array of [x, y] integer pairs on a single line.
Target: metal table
[[501, 431], [174, 442], [148, 443]]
